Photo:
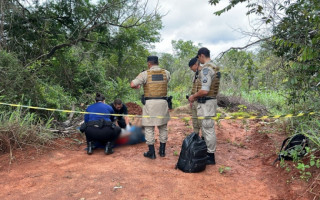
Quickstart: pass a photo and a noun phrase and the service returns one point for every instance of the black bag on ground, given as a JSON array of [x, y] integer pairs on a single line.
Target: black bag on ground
[[193, 155], [294, 145]]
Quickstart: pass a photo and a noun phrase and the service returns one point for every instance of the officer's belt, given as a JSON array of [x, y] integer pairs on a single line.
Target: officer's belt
[[204, 99], [99, 123], [207, 98], [149, 98]]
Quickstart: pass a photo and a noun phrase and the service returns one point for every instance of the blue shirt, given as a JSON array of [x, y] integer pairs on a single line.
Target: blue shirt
[[98, 108]]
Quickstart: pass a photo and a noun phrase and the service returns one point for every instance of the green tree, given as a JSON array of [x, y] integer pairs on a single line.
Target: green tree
[[295, 39], [177, 64], [41, 29], [65, 51], [239, 71]]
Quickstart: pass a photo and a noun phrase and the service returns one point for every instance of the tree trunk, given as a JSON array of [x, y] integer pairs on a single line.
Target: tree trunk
[[2, 43]]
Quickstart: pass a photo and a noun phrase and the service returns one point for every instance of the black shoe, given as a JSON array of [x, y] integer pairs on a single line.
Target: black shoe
[[151, 153], [211, 160], [89, 148], [108, 149], [162, 149]]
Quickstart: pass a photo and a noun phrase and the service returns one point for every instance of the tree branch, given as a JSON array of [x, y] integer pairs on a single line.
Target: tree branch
[[241, 48], [24, 9], [52, 51], [96, 22]]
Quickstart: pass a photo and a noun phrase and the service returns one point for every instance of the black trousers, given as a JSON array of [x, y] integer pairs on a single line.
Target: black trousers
[[102, 135], [121, 122]]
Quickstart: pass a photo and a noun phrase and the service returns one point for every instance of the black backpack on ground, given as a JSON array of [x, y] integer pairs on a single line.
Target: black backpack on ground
[[193, 155], [295, 143]]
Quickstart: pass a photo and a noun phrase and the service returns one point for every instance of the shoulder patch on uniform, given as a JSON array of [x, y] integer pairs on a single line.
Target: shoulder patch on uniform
[[205, 71], [204, 79]]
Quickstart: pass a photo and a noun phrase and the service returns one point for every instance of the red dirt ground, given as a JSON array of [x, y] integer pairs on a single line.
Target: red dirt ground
[[67, 172]]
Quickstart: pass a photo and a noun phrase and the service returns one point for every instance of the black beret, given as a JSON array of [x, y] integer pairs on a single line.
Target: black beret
[[193, 61], [152, 59]]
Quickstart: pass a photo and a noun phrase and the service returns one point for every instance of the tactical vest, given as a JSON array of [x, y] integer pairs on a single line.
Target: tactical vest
[[196, 84], [157, 83], [214, 88]]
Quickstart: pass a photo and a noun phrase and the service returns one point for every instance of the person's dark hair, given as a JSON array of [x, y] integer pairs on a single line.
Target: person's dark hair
[[204, 51], [193, 61], [153, 60], [117, 102], [99, 97]]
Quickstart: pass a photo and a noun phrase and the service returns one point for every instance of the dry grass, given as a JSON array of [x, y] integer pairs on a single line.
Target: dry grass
[[18, 130]]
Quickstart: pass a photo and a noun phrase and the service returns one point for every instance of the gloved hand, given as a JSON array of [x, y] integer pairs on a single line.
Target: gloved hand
[[128, 127]]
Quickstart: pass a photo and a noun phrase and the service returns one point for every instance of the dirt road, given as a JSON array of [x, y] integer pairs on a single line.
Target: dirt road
[[69, 173]]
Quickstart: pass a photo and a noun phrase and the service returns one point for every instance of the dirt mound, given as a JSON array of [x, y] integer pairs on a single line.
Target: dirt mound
[[182, 110], [134, 109], [232, 103]]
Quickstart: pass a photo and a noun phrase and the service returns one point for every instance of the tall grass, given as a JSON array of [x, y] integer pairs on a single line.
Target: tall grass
[[18, 130], [311, 129], [274, 101]]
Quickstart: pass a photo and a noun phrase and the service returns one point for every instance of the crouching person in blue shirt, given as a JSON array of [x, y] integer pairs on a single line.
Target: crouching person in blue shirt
[[99, 128]]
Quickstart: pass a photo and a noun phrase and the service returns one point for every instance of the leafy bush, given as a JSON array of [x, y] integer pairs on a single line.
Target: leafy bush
[[53, 96], [15, 79]]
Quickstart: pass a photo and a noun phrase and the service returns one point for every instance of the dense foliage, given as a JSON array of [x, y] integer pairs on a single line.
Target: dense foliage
[[59, 53], [294, 47], [287, 64]]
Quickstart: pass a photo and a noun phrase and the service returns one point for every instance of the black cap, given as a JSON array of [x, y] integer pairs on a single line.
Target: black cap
[[153, 59], [193, 61]]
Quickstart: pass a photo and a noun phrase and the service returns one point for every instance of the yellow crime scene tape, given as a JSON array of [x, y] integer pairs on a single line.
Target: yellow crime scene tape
[[161, 117]]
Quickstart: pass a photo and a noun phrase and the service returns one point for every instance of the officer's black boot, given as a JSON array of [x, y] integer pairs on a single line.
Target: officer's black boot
[[211, 160], [108, 149], [151, 153], [162, 149], [89, 148]]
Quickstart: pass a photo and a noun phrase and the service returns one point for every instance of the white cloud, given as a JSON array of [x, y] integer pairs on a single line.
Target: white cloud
[[194, 20]]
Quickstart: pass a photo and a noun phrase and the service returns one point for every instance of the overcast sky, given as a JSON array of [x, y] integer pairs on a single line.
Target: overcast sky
[[194, 20]]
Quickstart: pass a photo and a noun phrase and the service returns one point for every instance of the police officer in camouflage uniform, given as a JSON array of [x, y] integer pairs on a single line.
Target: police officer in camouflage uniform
[[194, 65], [155, 83], [207, 102]]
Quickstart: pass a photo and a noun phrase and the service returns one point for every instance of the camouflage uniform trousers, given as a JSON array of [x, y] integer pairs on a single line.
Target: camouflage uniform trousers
[[208, 109], [149, 134], [196, 123]]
